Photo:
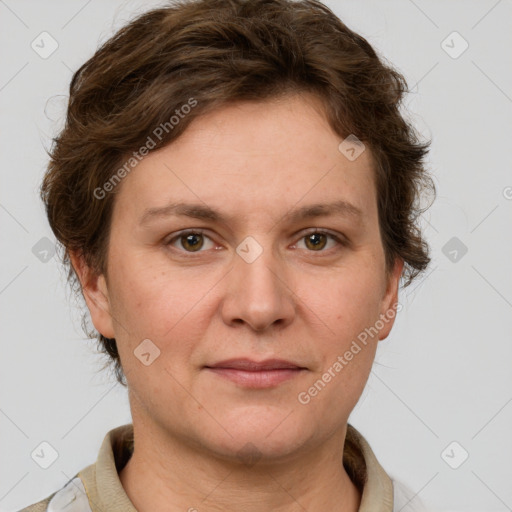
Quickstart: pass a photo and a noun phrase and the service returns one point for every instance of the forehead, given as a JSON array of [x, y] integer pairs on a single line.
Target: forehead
[[252, 157]]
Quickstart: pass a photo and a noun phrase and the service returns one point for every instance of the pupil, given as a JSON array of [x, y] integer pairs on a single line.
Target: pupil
[[318, 243], [314, 239], [194, 237]]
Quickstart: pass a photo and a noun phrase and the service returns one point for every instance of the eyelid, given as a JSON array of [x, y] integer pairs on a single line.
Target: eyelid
[[185, 232], [337, 237]]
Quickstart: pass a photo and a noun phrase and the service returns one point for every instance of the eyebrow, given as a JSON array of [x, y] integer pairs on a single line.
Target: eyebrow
[[204, 212]]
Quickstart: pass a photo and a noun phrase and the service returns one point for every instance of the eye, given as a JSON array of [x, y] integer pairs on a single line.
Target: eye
[[193, 240], [317, 240], [190, 241]]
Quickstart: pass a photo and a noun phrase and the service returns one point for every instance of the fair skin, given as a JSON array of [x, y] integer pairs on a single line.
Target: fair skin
[[304, 299]]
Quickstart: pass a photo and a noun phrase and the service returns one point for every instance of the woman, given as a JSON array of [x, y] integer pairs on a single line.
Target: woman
[[235, 193]]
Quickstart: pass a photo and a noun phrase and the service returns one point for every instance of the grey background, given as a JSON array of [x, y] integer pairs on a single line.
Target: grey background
[[444, 374]]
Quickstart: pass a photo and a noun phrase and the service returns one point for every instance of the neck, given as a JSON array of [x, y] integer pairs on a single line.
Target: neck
[[170, 474]]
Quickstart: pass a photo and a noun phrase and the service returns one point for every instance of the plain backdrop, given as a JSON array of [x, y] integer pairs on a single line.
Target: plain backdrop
[[437, 409]]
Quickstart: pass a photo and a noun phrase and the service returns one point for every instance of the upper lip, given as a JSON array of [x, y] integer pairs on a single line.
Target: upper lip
[[254, 366]]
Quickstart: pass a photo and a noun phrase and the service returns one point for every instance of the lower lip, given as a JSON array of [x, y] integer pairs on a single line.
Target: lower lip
[[257, 379]]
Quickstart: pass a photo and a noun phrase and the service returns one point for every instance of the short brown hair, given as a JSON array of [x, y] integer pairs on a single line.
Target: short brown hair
[[218, 52]]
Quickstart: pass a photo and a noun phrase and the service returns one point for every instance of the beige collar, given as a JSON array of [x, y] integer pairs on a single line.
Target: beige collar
[[105, 492]]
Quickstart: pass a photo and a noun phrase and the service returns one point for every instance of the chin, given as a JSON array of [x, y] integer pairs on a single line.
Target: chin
[[259, 437]]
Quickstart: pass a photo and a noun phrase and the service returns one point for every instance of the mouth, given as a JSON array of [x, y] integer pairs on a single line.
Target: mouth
[[253, 366], [253, 374]]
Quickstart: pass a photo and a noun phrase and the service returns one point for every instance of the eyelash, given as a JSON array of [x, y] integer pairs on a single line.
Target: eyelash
[[340, 240]]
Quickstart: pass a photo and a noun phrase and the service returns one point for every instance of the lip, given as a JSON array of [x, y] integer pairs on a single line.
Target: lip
[[249, 365], [257, 379], [256, 374]]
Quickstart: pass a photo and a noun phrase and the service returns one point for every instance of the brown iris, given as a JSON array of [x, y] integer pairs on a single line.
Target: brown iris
[[193, 242], [313, 238], [190, 241]]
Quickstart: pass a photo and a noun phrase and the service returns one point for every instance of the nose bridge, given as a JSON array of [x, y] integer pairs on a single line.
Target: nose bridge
[[258, 266], [259, 294]]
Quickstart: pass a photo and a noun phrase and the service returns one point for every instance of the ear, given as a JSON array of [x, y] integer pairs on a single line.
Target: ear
[[390, 299], [95, 291]]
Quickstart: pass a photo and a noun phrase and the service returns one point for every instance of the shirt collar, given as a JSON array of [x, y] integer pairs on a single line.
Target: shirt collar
[[377, 492], [105, 492]]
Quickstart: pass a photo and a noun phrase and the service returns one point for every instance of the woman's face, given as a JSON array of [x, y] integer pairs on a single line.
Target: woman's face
[[252, 283]]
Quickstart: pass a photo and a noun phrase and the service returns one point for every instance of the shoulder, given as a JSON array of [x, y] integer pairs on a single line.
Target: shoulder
[[404, 499], [40, 506], [71, 498]]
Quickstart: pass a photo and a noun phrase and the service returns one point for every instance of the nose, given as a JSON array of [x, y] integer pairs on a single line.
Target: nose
[[259, 293]]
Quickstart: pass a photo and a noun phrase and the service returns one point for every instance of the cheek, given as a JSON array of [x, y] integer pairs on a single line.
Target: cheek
[[349, 310], [153, 302], [349, 303], [348, 307]]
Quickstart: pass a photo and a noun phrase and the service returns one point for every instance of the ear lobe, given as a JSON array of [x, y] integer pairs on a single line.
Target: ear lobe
[[95, 291], [390, 299]]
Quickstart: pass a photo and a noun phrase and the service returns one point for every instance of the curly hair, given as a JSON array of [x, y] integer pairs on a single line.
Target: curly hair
[[219, 52]]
